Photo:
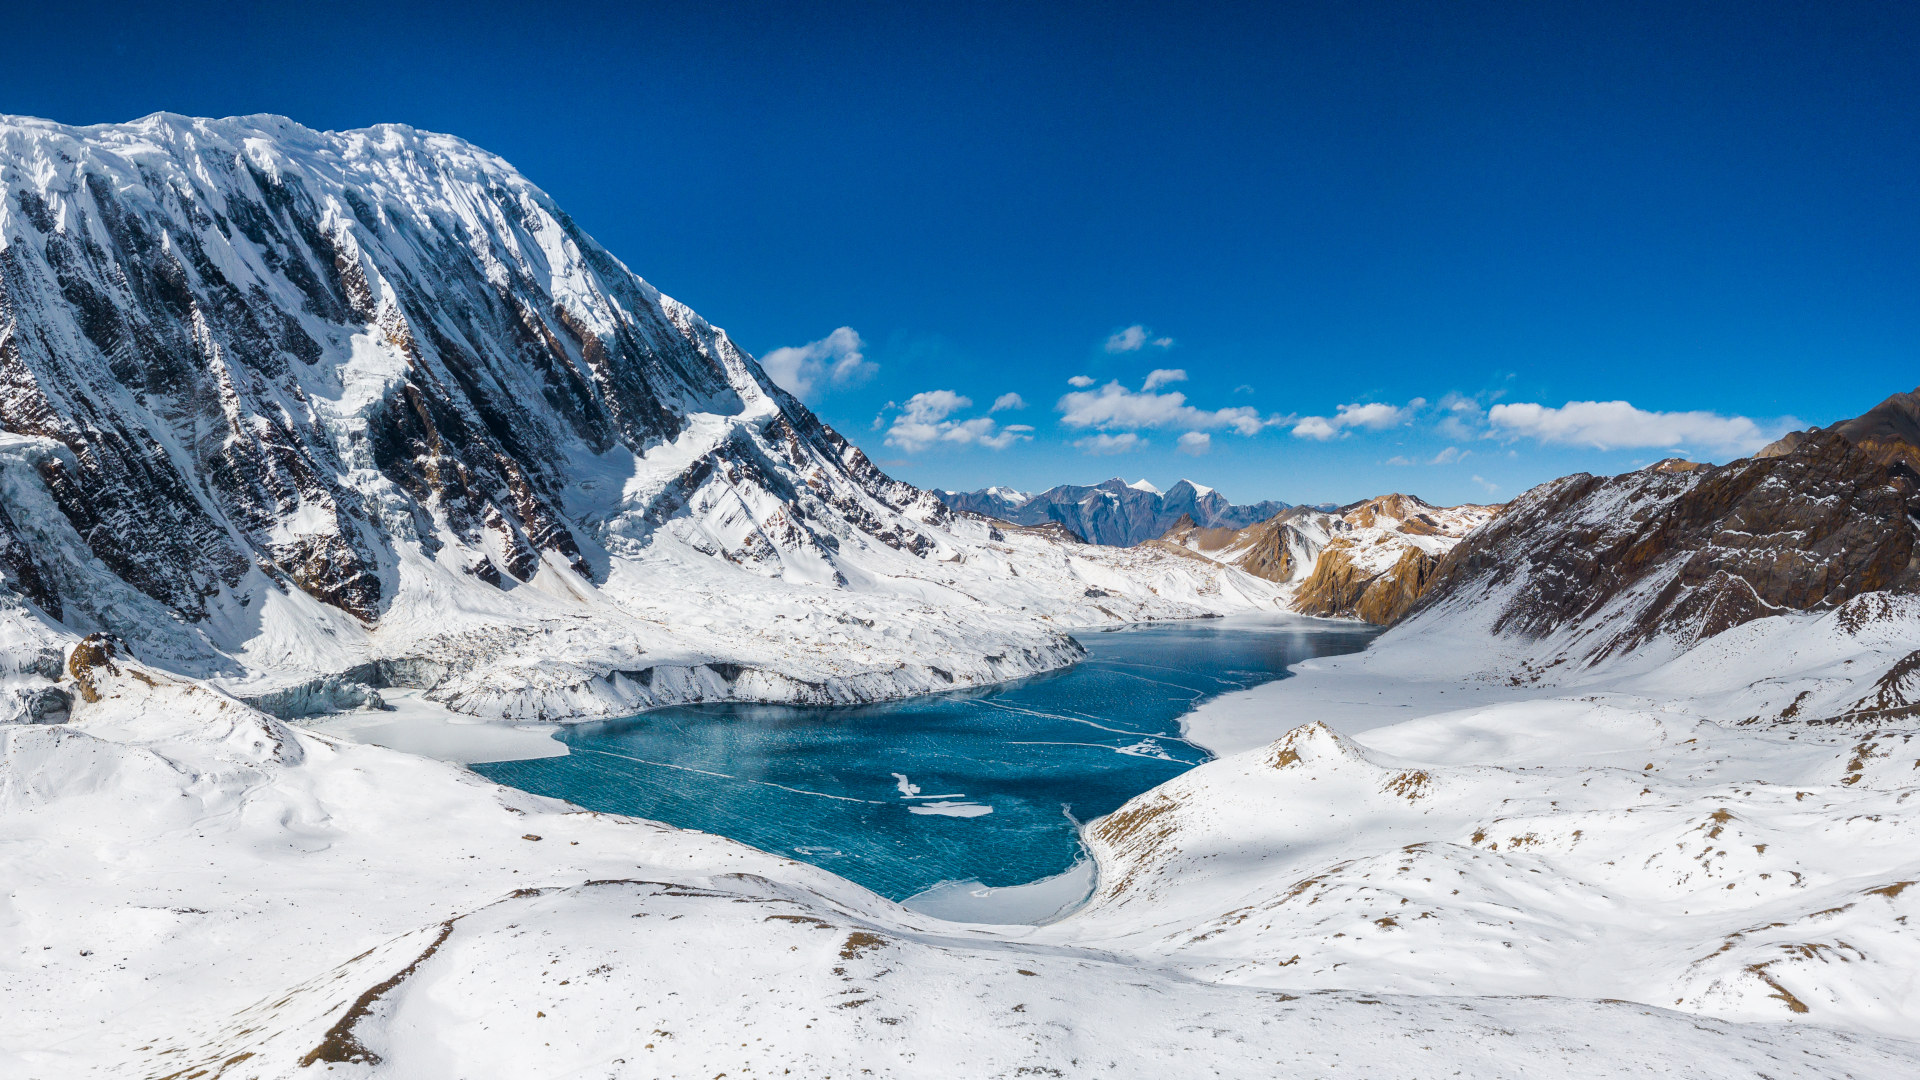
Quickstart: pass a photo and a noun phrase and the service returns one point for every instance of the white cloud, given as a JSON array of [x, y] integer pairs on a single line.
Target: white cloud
[[1134, 338], [834, 360], [1115, 406], [1445, 457], [1609, 425], [1195, 443], [1008, 401], [936, 405], [1462, 418], [1128, 340], [1489, 485], [924, 421], [1110, 444], [1159, 377], [1373, 417], [1080, 381]]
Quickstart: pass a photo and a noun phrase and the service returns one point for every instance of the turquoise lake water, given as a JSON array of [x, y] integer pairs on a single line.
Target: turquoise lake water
[[984, 785]]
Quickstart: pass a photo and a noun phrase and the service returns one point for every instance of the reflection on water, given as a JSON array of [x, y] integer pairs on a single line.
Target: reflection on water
[[981, 784]]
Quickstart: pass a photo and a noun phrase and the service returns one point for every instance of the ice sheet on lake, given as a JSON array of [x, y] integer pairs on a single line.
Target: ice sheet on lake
[[1033, 903]]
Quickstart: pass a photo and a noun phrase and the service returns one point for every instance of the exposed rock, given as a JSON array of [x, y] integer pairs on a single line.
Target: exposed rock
[[1685, 555], [1889, 433], [92, 656], [1677, 465], [1371, 560], [1338, 587]]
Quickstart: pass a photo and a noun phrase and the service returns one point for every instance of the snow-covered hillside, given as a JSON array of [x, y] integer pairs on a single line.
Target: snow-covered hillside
[[1648, 737], [194, 888], [310, 412], [1662, 835]]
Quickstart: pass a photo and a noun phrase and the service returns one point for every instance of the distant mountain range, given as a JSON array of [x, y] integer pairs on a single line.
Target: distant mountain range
[[1114, 513]]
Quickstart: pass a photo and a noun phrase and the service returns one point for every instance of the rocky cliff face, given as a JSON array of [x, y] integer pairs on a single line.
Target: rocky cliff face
[[241, 355], [1369, 560], [283, 400], [1592, 567], [1114, 513]]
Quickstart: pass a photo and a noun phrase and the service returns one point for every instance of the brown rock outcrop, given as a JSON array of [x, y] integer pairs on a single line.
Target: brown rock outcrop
[[1370, 560]]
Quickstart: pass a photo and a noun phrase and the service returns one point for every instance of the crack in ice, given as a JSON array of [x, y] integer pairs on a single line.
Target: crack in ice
[[729, 776]]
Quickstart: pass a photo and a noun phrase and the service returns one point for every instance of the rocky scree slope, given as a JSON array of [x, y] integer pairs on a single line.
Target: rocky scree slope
[[1369, 560], [1586, 568], [1113, 513], [277, 402]]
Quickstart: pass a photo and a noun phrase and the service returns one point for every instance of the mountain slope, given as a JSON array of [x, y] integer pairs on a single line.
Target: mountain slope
[[1648, 737], [1585, 568], [279, 402], [196, 888], [1889, 433], [1114, 513], [1371, 559]]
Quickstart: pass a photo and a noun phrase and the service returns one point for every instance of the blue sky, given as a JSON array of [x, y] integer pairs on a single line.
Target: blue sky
[[1370, 246]]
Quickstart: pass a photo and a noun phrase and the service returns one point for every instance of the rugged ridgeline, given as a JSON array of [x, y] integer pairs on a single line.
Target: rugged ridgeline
[[278, 402], [1114, 513], [1371, 559], [1586, 568]]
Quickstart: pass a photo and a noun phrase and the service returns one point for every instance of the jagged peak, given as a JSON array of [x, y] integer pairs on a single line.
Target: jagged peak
[[1199, 490]]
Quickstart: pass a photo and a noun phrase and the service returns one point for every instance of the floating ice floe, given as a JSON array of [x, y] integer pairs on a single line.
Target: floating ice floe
[[952, 809]]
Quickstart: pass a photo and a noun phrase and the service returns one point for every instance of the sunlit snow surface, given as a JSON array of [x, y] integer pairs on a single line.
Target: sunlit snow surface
[[974, 785]]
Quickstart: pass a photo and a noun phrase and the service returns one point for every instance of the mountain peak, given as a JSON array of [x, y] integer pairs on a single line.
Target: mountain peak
[[1114, 512], [1199, 490]]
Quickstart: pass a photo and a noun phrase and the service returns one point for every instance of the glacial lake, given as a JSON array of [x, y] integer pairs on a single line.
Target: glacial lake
[[983, 786]]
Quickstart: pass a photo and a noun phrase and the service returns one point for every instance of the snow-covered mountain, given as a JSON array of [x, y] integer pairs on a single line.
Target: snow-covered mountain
[[1648, 737], [1432, 869], [1654, 562], [1114, 513], [1630, 792], [1370, 560], [280, 403]]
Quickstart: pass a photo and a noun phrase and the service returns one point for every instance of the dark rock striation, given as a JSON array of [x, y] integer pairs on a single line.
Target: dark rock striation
[[1607, 565], [241, 355]]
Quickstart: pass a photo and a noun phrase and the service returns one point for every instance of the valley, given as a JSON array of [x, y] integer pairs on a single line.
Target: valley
[[315, 441]]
